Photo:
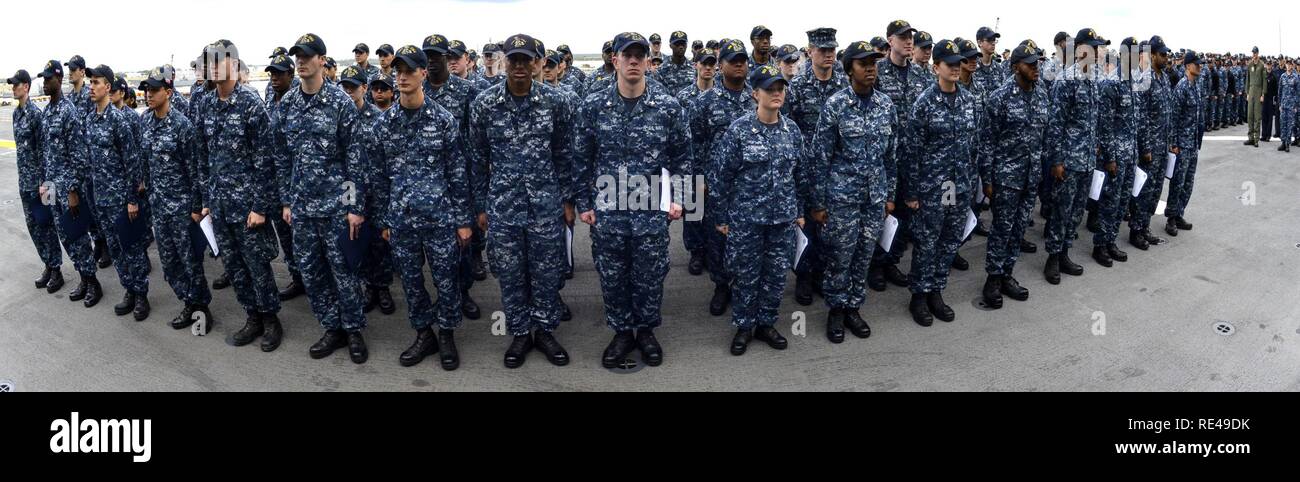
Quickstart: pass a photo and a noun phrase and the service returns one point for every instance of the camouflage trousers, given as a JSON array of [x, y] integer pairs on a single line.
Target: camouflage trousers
[[1144, 206], [759, 255], [850, 236], [284, 233], [529, 263], [1070, 196], [937, 234], [902, 237], [79, 250], [130, 263], [437, 246], [44, 236], [1180, 186], [246, 255], [814, 257], [1288, 123], [1116, 192], [333, 287], [717, 250], [182, 267], [632, 271], [1012, 209]]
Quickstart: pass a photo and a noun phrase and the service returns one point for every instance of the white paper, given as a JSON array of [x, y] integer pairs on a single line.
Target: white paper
[[568, 244], [206, 225], [979, 191], [887, 234], [1160, 207], [971, 221], [800, 244], [1139, 181], [1169, 167], [665, 191], [1098, 180]]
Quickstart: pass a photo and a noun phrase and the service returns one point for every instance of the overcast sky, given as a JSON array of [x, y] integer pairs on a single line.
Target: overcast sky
[[87, 28]]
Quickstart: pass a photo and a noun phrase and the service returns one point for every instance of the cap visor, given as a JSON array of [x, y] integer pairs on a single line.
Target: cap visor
[[305, 49]]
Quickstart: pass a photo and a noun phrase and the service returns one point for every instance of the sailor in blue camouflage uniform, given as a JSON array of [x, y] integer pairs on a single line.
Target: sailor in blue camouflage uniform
[[991, 71], [1223, 106], [940, 151], [283, 80], [113, 163], [695, 234], [64, 173], [1188, 136], [32, 188], [633, 130], [853, 153], [456, 94], [803, 104], [760, 185], [493, 74], [521, 147], [361, 54], [1012, 147], [376, 270], [571, 70], [903, 82], [1120, 123], [761, 38], [237, 172], [923, 51], [713, 111], [167, 143], [322, 194], [1073, 151], [78, 77], [1289, 101], [603, 76], [677, 72], [1156, 102], [422, 204]]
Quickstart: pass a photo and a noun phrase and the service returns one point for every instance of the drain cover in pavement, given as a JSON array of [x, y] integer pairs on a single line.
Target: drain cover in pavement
[[629, 365], [1224, 328], [979, 304]]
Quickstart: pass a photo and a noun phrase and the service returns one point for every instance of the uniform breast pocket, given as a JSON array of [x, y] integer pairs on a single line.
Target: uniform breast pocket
[[853, 134]]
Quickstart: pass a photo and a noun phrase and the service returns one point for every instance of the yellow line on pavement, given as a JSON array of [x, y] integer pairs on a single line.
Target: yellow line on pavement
[[8, 144]]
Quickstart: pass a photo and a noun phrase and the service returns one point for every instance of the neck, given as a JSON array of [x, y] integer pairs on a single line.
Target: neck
[[56, 96], [279, 94], [769, 115], [863, 90], [760, 57], [162, 110], [22, 101], [897, 58], [360, 103], [947, 86], [225, 88], [521, 88], [986, 58], [679, 59], [413, 101], [490, 70], [1024, 84], [630, 90], [735, 85], [78, 84], [822, 73], [704, 83], [101, 105], [311, 85], [966, 76], [440, 79]]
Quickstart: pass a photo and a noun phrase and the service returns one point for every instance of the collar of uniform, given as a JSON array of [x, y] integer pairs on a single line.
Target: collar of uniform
[[156, 122], [745, 92], [533, 94], [757, 126], [648, 98]]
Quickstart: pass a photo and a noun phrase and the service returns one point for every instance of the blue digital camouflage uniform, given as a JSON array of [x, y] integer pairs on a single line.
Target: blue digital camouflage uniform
[[598, 81], [1073, 137], [675, 77], [1120, 124], [179, 103], [1289, 101], [1187, 137], [269, 95], [902, 84], [1013, 145], [803, 104], [760, 185], [522, 153], [1156, 103], [27, 124], [753, 64], [114, 164], [630, 237], [574, 71], [377, 269], [237, 171], [939, 147], [456, 96], [1222, 106], [81, 97], [695, 234], [710, 116], [280, 149], [422, 196], [172, 163], [854, 149], [569, 81], [990, 77], [61, 140], [326, 184]]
